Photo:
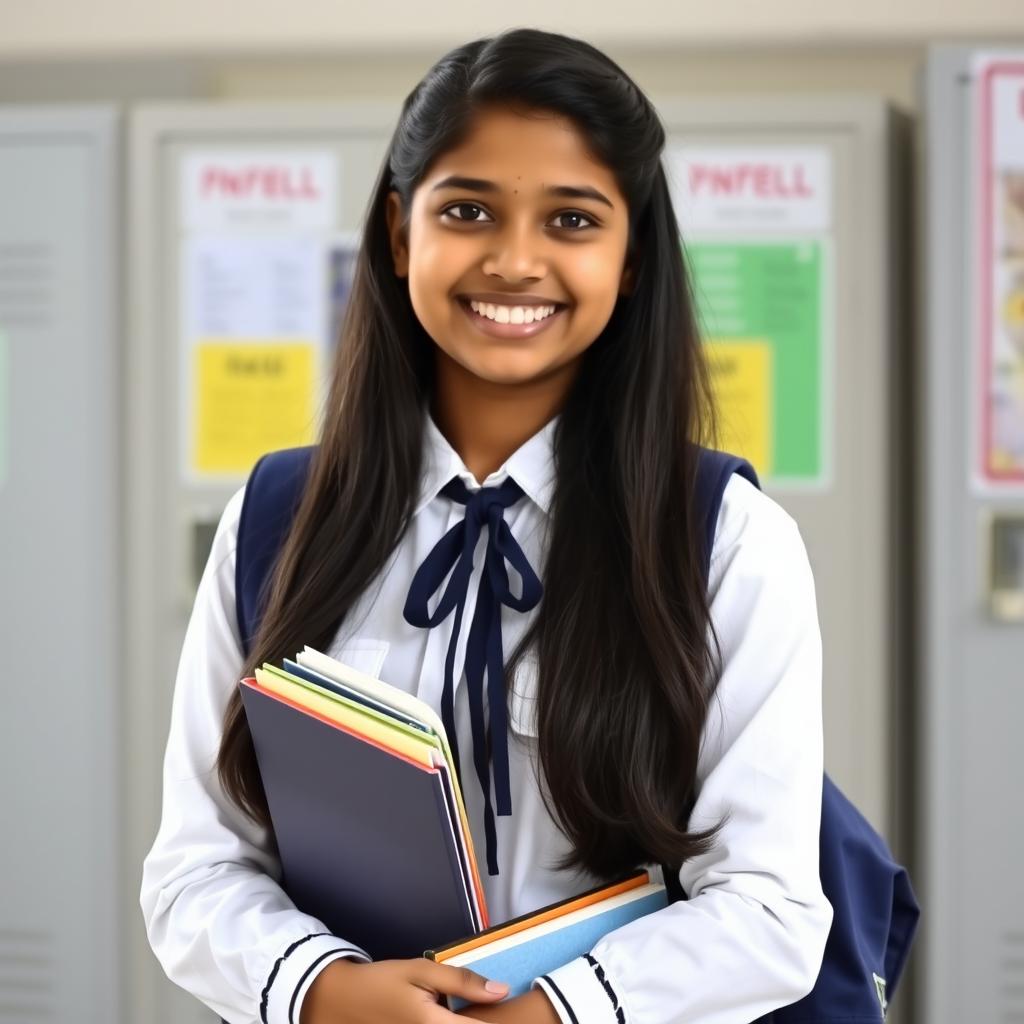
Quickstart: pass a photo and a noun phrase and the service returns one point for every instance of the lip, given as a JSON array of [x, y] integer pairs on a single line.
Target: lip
[[511, 299], [496, 330]]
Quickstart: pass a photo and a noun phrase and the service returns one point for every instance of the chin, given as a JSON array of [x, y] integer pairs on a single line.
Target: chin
[[509, 379], [510, 375], [506, 368]]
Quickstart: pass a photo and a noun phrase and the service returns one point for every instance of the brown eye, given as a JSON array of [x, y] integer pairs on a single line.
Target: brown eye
[[579, 216], [463, 207]]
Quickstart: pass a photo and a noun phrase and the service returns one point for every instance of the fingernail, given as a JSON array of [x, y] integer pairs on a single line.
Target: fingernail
[[496, 986]]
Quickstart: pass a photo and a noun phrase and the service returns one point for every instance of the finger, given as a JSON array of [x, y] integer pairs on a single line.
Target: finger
[[460, 981]]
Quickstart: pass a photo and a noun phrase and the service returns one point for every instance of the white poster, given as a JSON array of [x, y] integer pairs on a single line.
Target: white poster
[[248, 286], [999, 202], [255, 305]]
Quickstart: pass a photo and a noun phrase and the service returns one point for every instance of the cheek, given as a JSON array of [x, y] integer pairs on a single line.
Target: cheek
[[596, 269], [437, 257], [595, 278]]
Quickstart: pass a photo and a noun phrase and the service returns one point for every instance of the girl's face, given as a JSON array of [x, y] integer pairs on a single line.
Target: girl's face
[[515, 220]]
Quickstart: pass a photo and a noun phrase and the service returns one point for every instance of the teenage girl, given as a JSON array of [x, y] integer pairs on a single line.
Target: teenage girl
[[520, 351]]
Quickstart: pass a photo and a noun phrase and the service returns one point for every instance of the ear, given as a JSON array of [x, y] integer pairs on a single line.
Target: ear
[[399, 245]]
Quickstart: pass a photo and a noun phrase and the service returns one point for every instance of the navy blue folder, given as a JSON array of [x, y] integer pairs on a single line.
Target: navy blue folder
[[364, 836]]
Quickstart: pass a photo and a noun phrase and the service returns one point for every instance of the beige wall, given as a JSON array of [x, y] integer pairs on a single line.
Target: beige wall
[[77, 28], [889, 71]]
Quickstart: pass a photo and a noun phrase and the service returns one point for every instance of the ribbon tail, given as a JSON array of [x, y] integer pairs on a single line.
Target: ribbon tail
[[491, 833], [448, 698], [476, 663], [496, 709]]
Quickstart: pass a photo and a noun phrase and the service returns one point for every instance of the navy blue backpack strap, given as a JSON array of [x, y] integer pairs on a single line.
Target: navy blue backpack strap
[[875, 912], [271, 498], [272, 495], [714, 471]]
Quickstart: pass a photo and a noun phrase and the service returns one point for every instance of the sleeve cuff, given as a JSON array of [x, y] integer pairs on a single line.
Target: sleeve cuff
[[582, 994], [295, 971]]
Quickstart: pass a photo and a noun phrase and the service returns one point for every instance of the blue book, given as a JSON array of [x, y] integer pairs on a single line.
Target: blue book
[[523, 949]]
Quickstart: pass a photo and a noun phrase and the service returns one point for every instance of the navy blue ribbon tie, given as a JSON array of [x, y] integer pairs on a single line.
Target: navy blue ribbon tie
[[453, 554]]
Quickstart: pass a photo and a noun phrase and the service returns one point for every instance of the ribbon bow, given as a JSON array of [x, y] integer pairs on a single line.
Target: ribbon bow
[[453, 554]]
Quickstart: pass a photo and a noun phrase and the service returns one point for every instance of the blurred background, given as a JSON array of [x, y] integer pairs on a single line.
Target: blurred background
[[181, 193]]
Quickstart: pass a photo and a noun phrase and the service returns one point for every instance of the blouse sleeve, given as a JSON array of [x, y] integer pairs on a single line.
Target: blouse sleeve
[[751, 937], [217, 919]]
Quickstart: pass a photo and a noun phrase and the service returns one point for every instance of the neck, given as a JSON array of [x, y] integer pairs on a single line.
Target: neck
[[486, 422]]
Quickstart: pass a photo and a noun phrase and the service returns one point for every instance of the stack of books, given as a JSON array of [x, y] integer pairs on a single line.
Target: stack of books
[[373, 836]]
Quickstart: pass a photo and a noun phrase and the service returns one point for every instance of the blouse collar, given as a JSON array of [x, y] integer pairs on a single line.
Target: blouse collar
[[531, 465]]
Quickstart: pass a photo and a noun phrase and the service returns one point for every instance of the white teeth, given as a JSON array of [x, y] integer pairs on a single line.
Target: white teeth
[[511, 314]]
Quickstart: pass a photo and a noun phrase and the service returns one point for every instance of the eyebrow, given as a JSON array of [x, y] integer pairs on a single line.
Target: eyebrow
[[562, 191]]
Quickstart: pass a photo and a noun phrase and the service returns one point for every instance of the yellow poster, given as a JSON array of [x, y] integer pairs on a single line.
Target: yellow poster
[[250, 398], [741, 376]]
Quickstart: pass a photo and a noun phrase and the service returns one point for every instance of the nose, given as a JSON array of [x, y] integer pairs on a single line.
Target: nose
[[515, 255]]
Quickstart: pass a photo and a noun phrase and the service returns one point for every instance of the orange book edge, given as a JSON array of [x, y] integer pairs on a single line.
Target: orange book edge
[[520, 924], [254, 684]]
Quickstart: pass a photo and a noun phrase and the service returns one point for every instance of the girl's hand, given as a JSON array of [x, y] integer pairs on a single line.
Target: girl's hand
[[395, 991]]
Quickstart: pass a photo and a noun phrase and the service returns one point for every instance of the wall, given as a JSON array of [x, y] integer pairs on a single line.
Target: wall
[[59, 27]]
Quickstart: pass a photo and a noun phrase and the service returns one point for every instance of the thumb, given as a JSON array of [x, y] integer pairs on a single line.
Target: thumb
[[467, 984]]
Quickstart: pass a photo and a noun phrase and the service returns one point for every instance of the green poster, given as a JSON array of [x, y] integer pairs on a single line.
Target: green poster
[[760, 307]]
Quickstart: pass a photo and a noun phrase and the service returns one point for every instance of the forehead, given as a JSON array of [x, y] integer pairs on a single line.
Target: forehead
[[523, 150]]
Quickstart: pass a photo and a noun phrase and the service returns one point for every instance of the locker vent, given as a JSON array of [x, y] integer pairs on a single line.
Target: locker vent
[[26, 284], [27, 972], [1011, 983]]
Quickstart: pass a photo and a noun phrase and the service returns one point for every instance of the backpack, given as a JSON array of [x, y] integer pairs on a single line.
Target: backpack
[[875, 913]]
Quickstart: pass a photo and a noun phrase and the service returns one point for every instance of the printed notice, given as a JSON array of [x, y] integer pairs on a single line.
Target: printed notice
[[751, 189], [1000, 286], [756, 224], [279, 189], [251, 398], [254, 310], [742, 377], [770, 403], [238, 286]]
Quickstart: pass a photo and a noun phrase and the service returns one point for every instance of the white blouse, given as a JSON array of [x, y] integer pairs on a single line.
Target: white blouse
[[752, 934]]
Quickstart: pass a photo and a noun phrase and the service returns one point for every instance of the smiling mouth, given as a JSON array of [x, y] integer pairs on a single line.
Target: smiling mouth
[[510, 330], [532, 305]]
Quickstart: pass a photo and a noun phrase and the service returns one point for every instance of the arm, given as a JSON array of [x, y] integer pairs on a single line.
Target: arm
[[217, 919], [751, 937]]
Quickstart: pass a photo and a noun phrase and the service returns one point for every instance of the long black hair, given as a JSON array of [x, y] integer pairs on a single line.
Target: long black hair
[[627, 662]]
